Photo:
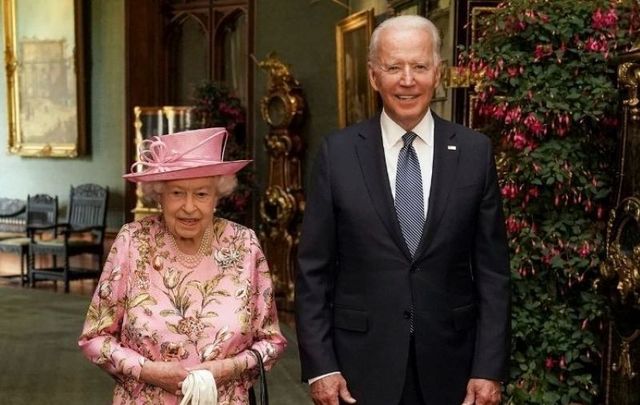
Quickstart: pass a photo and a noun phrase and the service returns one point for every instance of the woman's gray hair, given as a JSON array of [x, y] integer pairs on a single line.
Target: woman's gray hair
[[224, 186], [405, 22]]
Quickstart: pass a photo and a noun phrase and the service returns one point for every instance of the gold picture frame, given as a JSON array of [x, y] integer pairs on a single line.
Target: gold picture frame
[[408, 7], [441, 92], [356, 98], [44, 63], [477, 14]]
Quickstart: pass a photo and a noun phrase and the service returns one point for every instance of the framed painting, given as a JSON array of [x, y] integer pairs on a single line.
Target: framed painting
[[356, 99], [44, 59], [408, 7], [441, 91]]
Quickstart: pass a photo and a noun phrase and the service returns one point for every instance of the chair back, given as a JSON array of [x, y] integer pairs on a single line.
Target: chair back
[[88, 208], [12, 216], [42, 210]]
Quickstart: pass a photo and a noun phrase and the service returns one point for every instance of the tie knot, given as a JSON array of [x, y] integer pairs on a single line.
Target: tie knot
[[408, 138]]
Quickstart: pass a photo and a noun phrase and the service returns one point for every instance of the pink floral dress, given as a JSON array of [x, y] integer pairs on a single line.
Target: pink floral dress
[[150, 306]]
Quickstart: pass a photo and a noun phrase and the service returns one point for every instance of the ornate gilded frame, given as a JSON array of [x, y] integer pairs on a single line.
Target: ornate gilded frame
[[44, 64], [356, 98], [623, 252], [408, 7]]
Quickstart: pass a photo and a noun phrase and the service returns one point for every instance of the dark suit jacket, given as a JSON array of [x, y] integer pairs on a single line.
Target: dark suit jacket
[[357, 281]]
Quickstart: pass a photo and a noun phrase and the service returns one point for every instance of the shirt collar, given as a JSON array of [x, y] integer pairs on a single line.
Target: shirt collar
[[392, 132]]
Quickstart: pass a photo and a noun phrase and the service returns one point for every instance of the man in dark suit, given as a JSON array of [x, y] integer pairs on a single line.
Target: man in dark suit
[[402, 295]]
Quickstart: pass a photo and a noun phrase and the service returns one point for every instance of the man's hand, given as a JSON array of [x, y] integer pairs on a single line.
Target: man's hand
[[482, 392], [166, 375], [326, 390]]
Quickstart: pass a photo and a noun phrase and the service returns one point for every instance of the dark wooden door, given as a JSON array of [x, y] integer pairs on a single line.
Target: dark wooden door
[[172, 45]]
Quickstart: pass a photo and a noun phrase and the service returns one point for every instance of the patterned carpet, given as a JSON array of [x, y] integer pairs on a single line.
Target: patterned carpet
[[41, 364]]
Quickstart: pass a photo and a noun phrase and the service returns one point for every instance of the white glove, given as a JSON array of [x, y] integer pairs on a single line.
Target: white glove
[[199, 388]]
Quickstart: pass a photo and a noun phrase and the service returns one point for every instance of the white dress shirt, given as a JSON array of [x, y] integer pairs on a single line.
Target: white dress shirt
[[392, 143]]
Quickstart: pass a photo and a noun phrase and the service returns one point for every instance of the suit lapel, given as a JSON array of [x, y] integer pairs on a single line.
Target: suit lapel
[[445, 163], [370, 154]]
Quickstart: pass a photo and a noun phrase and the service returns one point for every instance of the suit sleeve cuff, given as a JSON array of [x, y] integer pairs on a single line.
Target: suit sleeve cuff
[[314, 379]]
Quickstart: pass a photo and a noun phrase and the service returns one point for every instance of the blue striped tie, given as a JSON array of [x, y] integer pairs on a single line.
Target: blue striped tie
[[409, 197]]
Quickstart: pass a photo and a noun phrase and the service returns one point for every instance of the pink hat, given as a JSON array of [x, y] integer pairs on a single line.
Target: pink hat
[[183, 155]]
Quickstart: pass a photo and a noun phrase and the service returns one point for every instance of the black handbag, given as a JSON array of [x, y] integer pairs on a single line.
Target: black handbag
[[264, 393]]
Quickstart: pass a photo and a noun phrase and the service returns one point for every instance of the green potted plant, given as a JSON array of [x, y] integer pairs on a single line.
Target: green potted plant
[[549, 100], [216, 106]]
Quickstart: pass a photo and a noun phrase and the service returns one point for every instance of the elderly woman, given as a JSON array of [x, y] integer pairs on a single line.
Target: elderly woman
[[183, 290]]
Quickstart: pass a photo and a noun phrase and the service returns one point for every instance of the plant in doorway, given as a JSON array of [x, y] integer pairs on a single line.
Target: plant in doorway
[[216, 106], [549, 100]]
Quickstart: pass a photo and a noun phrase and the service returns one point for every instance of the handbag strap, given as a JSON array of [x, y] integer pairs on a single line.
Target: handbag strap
[[264, 393]]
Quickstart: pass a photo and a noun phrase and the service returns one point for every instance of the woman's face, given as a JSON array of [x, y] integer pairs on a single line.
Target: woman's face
[[188, 206]]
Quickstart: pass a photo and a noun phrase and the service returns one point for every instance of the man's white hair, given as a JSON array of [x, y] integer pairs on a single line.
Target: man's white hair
[[406, 22]]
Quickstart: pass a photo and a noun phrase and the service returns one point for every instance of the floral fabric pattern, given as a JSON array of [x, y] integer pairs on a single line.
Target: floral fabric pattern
[[149, 306]]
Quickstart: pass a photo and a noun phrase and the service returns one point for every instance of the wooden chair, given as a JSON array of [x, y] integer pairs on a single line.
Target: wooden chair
[[13, 220], [41, 211], [82, 233]]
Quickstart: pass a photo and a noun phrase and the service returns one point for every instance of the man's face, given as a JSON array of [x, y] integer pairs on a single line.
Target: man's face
[[405, 74]]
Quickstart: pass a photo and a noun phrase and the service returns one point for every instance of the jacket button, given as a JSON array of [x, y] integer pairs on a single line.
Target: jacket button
[[406, 314]]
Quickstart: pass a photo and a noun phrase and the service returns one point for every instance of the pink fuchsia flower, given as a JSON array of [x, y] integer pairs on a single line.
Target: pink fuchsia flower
[[491, 73], [509, 191], [514, 71], [588, 205], [561, 124], [513, 116], [499, 111], [535, 125], [562, 362], [549, 362], [520, 140], [475, 66], [515, 24], [546, 259], [584, 250], [596, 45], [240, 202], [542, 51], [584, 324], [604, 20], [536, 167], [513, 225], [485, 110]]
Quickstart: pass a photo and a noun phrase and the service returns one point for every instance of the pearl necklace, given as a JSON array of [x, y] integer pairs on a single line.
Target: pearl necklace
[[191, 261]]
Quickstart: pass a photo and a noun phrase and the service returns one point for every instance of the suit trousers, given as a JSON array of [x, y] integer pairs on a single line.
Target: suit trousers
[[412, 393]]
